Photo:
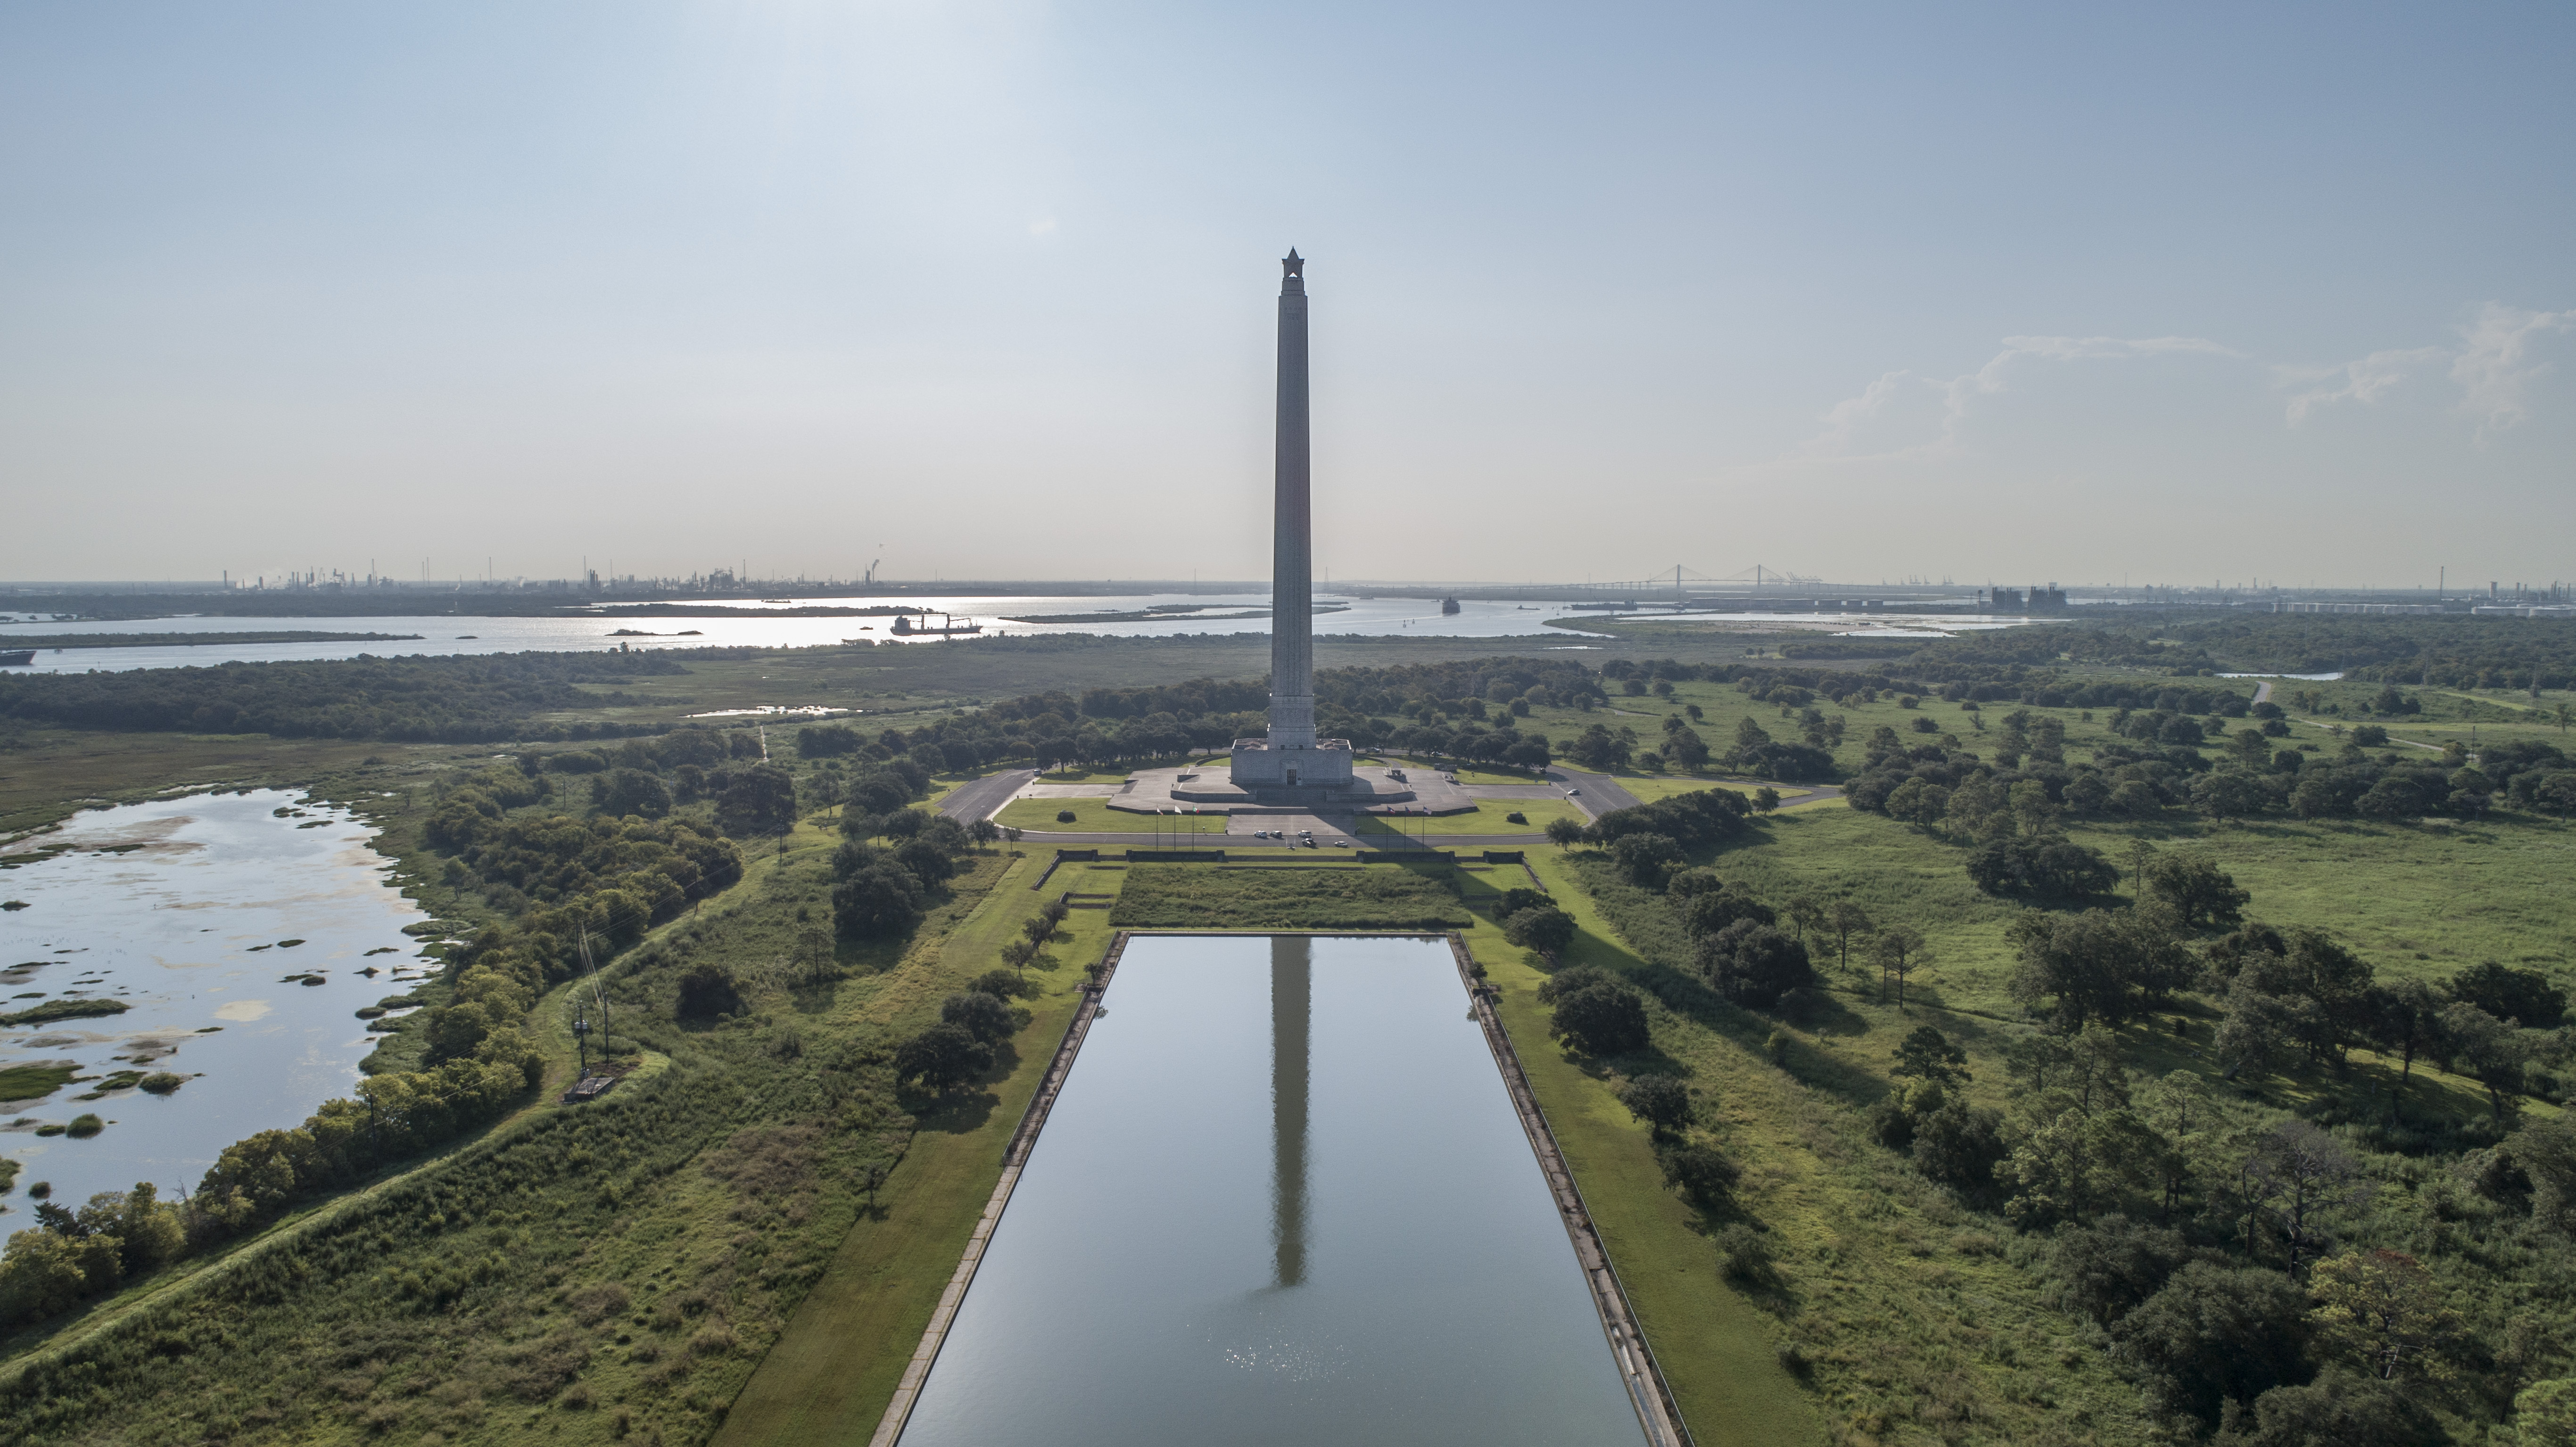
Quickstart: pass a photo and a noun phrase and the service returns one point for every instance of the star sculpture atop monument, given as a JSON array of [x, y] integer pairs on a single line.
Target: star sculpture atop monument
[[1294, 265]]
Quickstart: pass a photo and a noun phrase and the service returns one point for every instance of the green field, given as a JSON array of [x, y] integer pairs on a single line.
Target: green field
[[1094, 816], [1314, 895], [1485, 818]]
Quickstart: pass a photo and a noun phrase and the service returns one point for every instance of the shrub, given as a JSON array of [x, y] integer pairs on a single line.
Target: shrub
[[85, 1125], [1743, 1254], [942, 1058], [1646, 858], [1002, 984], [1605, 1018], [980, 1015], [593, 1304], [1661, 1101], [707, 990], [160, 1082], [1755, 964], [1702, 1173], [1064, 816], [1542, 927], [878, 900], [1959, 1146], [2215, 1334]]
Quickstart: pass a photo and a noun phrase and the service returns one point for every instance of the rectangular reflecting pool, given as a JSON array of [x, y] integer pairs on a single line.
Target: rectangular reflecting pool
[[1282, 1198]]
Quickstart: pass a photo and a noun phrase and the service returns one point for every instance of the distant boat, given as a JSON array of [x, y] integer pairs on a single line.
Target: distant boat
[[778, 600], [1448, 605], [903, 624], [18, 657]]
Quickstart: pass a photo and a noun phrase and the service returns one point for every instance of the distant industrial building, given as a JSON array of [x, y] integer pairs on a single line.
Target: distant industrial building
[[2036, 600]]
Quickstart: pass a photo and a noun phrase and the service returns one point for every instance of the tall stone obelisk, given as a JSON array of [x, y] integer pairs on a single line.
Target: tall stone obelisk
[[1292, 547], [1291, 765]]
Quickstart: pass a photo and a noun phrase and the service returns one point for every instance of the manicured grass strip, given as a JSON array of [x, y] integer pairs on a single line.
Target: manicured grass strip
[[1094, 816], [1198, 896], [1485, 818]]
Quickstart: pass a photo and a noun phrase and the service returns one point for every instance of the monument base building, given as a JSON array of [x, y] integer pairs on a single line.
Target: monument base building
[[1310, 770]]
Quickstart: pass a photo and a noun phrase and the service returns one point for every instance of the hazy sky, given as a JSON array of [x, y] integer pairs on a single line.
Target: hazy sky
[[2175, 292]]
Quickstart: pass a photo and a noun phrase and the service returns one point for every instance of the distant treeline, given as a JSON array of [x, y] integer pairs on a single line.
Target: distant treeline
[[429, 700], [189, 640], [2450, 651]]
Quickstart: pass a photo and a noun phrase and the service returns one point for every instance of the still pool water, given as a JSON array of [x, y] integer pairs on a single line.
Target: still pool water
[[1283, 1199], [166, 907]]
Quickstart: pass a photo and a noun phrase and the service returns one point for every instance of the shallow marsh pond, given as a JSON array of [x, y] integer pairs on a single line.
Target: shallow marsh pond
[[183, 910]]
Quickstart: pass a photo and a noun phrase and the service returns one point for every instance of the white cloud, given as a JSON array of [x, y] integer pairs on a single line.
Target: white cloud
[[1872, 424], [2364, 381], [1904, 414], [2494, 366]]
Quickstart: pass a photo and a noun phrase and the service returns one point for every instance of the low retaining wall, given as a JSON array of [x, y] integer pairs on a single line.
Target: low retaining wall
[[1644, 1379]]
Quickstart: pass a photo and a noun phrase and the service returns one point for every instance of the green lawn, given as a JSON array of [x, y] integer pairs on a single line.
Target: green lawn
[[1094, 816], [1315, 896], [1485, 818]]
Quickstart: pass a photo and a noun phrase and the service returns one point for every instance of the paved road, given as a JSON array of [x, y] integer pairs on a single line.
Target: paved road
[[2263, 691], [984, 798], [1602, 793], [1599, 792]]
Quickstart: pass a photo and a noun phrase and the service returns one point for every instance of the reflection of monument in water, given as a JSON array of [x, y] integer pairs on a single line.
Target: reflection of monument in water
[[1291, 999], [1291, 765]]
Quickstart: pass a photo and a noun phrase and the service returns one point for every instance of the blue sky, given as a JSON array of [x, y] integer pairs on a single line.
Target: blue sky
[[2173, 293]]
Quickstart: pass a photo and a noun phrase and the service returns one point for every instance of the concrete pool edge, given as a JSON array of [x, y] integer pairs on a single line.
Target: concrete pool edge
[[1639, 1372], [1640, 1375]]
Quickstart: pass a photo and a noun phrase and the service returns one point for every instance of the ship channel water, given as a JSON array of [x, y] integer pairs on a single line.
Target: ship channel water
[[1283, 1198], [206, 917]]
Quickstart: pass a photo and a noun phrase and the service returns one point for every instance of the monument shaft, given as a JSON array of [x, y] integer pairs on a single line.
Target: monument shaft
[[1291, 765], [1292, 552]]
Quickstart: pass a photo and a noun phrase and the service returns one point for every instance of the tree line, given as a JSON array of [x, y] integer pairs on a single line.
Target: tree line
[[485, 699]]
